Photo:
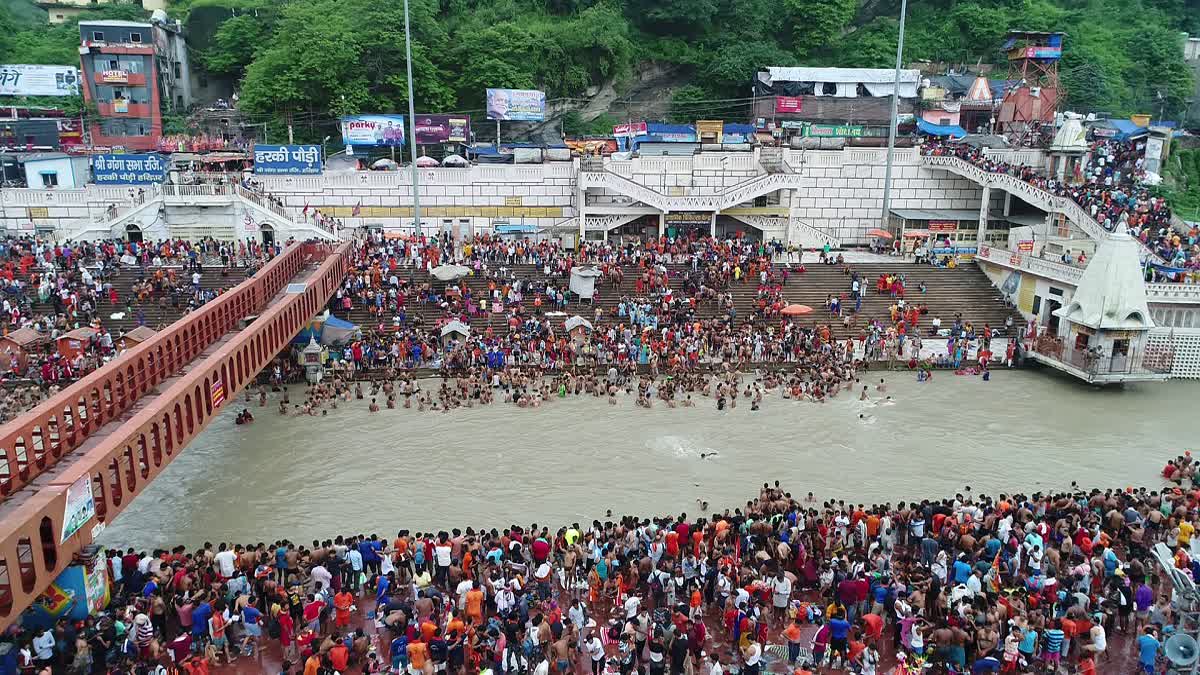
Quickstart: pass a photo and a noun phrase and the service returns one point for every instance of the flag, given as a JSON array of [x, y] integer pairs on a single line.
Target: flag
[[357, 209], [218, 393]]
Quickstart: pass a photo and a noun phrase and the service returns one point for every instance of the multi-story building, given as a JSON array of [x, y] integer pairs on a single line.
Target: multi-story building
[[132, 71], [61, 11]]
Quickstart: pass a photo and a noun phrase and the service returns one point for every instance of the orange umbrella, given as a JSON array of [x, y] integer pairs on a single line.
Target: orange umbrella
[[879, 233], [796, 310]]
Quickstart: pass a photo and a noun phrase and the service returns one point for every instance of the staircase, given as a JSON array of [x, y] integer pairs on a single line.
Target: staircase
[[263, 209], [964, 291], [732, 196], [797, 230]]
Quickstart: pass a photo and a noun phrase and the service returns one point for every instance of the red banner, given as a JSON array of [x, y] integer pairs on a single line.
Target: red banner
[[1025, 246], [943, 225], [788, 105], [631, 130]]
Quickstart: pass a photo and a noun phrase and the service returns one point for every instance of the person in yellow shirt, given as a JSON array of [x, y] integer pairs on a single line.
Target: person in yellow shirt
[[1184, 538]]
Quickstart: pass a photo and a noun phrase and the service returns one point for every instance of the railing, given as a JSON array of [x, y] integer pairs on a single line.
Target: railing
[[727, 198], [770, 222], [1148, 361]]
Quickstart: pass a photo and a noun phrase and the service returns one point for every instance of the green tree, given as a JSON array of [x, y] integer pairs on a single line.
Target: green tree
[[817, 23], [731, 69], [686, 103], [232, 46]]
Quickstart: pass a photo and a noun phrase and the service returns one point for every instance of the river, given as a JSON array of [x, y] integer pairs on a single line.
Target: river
[[492, 466]]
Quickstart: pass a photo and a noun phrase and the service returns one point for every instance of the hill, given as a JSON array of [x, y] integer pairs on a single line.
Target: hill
[[312, 60]]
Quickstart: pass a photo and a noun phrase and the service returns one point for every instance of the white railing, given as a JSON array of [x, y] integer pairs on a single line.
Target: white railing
[[773, 223], [718, 201], [1173, 292]]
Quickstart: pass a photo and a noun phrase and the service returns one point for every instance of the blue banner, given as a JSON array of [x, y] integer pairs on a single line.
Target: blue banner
[[287, 159], [128, 169]]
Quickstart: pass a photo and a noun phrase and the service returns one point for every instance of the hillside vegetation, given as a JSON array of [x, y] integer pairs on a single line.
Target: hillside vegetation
[[312, 60]]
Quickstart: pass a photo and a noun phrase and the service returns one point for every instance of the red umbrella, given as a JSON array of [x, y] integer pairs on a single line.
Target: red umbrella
[[879, 233], [796, 310]]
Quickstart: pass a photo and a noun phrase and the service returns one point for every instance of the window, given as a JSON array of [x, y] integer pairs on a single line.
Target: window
[[97, 36], [178, 71], [59, 17], [49, 179], [135, 37]]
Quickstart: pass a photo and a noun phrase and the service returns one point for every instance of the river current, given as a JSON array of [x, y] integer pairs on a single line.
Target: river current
[[574, 459]]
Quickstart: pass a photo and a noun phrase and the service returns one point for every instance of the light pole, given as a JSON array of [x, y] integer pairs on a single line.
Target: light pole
[[323, 142], [412, 124], [891, 147]]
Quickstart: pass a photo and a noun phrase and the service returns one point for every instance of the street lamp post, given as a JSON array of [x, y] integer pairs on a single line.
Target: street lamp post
[[891, 147], [412, 124]]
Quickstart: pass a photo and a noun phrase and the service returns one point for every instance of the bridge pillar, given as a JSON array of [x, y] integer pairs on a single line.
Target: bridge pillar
[[980, 237], [581, 195]]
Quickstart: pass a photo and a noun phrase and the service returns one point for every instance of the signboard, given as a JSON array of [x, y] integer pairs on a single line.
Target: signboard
[[711, 128], [943, 225], [520, 105], [792, 124], [373, 130], [788, 105], [120, 105], [80, 508], [435, 129], [287, 159], [1040, 52], [26, 80], [630, 130], [514, 201], [128, 169], [688, 218], [95, 582], [958, 250], [1015, 259], [114, 77], [1025, 246], [835, 131], [39, 212], [1104, 132]]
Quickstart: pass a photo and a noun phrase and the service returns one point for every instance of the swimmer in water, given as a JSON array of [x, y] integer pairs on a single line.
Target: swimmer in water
[[881, 387], [709, 455]]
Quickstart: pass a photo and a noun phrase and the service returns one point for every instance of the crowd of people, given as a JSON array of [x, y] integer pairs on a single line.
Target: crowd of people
[[679, 317], [54, 288], [1108, 188], [1058, 581]]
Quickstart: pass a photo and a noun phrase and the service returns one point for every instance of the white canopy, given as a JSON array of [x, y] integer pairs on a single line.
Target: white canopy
[[577, 321], [450, 272], [583, 281], [877, 81], [456, 327], [1111, 294], [454, 160], [1070, 137]]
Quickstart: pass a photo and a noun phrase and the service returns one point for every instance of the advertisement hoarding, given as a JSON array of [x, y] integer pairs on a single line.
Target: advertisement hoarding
[[27, 80], [519, 105], [80, 507], [128, 169], [788, 105], [630, 130], [373, 130], [287, 159], [435, 129]]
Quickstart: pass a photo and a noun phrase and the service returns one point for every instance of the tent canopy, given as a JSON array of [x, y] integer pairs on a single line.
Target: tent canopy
[[450, 272], [951, 130], [577, 321], [456, 327]]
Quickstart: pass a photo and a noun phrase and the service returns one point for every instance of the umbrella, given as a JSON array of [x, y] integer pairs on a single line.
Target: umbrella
[[450, 272], [384, 163], [427, 162], [796, 310], [577, 321], [879, 233], [454, 160]]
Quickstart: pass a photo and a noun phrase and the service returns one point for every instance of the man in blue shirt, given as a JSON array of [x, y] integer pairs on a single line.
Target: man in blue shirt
[[839, 634], [1148, 646], [200, 616]]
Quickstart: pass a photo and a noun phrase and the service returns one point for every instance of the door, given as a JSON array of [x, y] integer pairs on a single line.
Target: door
[[1048, 319], [133, 233], [268, 234]]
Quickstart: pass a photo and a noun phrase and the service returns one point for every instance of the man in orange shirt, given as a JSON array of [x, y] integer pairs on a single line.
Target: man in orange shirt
[[339, 657], [475, 603], [341, 604], [418, 655], [793, 635]]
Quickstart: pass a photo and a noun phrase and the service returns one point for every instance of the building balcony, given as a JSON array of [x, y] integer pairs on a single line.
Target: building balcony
[[111, 109]]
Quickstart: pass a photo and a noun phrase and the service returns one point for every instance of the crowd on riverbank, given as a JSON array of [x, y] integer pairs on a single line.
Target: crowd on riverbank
[[1108, 189], [680, 314], [1058, 581]]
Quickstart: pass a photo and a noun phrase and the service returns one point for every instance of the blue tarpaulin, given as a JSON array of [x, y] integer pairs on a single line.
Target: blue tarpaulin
[[1126, 129], [516, 229], [951, 130]]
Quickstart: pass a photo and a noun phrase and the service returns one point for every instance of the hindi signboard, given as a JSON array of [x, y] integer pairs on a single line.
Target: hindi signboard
[[28, 80], [835, 131], [373, 130], [519, 105], [287, 159], [435, 129], [128, 169], [788, 105]]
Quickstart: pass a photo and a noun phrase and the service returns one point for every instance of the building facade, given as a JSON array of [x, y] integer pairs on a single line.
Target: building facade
[[132, 71]]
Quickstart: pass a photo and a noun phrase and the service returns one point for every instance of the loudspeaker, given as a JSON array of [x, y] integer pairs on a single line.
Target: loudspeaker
[[1182, 650]]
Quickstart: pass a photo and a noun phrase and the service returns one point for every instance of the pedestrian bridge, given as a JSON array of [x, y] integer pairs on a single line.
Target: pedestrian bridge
[[100, 441]]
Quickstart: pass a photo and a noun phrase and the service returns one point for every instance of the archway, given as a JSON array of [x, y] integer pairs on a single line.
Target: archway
[[133, 233], [268, 234]]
